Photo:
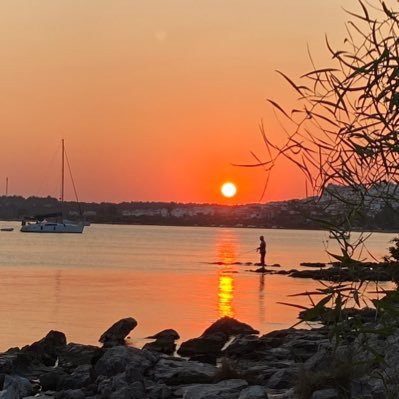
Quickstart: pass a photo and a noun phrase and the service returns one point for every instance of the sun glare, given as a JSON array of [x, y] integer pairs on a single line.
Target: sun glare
[[228, 190]]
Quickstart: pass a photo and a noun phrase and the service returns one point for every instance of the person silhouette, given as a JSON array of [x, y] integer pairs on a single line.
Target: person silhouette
[[262, 251]]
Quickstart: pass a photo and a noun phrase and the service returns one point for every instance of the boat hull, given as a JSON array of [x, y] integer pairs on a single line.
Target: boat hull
[[52, 228]]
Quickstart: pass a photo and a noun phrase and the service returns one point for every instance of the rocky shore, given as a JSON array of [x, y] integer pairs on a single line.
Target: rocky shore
[[230, 360], [338, 272]]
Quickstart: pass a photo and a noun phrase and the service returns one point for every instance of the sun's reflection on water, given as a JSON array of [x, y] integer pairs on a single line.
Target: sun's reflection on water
[[226, 249], [226, 295]]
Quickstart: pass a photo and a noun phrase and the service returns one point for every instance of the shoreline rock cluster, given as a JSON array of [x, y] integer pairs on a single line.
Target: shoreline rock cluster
[[230, 360], [338, 272]]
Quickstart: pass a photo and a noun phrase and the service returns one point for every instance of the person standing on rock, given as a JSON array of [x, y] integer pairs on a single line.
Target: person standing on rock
[[262, 250]]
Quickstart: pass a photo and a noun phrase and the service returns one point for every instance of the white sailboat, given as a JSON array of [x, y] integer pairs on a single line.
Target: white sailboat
[[52, 222]]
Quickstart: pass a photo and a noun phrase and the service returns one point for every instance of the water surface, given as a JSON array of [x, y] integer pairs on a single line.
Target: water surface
[[164, 277]]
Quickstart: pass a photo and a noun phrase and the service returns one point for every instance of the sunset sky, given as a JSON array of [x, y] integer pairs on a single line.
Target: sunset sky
[[156, 99]]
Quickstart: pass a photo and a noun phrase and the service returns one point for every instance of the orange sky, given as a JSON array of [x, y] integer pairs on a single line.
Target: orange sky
[[155, 99]]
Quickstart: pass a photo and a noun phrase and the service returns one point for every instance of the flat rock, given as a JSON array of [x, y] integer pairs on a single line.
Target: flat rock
[[116, 359]]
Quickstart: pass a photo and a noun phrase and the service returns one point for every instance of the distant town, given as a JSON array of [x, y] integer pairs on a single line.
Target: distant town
[[309, 213]]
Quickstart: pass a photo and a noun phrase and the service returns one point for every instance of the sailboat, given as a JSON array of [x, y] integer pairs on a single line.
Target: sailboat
[[52, 222]]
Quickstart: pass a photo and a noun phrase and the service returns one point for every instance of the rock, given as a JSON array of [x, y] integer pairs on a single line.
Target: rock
[[52, 379], [175, 371], [229, 326], [15, 387], [133, 391], [132, 374], [325, 394], [313, 264], [22, 363], [209, 359], [303, 349], [6, 364], [223, 389], [169, 333], [283, 379], [322, 359], [161, 345], [74, 355], [210, 344], [244, 346], [47, 349], [54, 339], [80, 378], [117, 333], [104, 386], [116, 359], [137, 389], [361, 388], [253, 392], [70, 394], [261, 373], [276, 338], [122, 393], [165, 342], [159, 391]]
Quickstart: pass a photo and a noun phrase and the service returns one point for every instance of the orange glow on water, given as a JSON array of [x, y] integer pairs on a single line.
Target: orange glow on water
[[226, 249], [226, 295]]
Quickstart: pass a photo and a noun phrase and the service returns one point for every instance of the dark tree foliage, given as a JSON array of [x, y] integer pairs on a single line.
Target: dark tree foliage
[[344, 130], [394, 250], [343, 134]]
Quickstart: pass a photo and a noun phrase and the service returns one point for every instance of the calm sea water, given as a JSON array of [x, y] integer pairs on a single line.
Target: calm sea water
[[164, 277]]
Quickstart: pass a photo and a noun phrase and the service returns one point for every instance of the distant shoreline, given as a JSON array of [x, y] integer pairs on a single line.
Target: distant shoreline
[[305, 214], [116, 223]]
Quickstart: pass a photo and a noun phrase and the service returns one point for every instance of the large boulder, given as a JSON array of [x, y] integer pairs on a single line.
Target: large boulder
[[74, 355], [245, 346], [229, 326], [47, 349], [115, 360], [53, 379], [210, 344], [15, 387], [116, 334]]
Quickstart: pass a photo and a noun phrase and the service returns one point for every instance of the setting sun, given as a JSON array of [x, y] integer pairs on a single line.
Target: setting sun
[[228, 190]]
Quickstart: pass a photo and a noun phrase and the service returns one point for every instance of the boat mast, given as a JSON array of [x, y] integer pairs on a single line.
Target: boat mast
[[6, 186], [62, 171]]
